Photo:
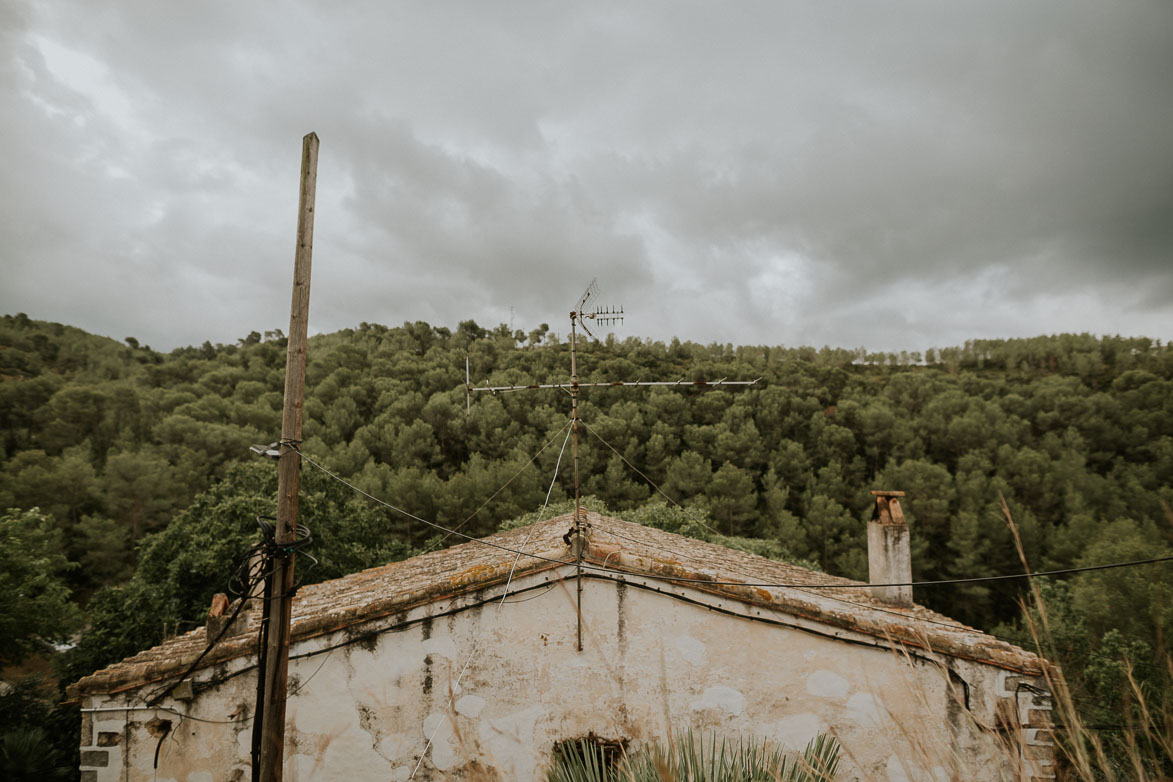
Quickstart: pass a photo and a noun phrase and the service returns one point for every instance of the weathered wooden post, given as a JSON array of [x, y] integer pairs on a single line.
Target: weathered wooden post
[[277, 668]]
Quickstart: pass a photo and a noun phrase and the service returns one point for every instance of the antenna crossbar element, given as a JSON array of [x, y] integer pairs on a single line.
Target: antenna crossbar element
[[591, 291], [615, 383], [605, 316]]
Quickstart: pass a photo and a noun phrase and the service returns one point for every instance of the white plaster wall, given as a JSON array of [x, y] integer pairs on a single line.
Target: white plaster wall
[[651, 664]]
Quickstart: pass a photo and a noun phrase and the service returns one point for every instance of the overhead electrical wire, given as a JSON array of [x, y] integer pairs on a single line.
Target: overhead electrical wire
[[251, 579], [504, 594], [713, 582], [706, 526], [303, 684], [685, 556], [641, 474], [502, 488], [251, 571]]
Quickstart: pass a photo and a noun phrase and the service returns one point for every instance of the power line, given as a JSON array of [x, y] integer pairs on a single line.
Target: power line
[[504, 594], [506, 484], [641, 474], [713, 582], [706, 526], [914, 583], [685, 556]]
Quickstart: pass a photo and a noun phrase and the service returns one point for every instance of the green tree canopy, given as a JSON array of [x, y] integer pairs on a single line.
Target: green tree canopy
[[35, 609]]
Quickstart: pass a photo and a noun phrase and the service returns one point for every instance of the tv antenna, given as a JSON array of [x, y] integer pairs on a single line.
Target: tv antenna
[[605, 316], [585, 310]]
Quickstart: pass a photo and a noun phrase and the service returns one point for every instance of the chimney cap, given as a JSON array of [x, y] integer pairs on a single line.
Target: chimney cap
[[888, 510]]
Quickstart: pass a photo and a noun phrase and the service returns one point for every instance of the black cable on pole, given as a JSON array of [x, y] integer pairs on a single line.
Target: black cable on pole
[[262, 661], [249, 581], [154, 699]]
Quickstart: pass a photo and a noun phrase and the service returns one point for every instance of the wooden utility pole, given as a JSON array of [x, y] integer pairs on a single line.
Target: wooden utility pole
[[277, 668]]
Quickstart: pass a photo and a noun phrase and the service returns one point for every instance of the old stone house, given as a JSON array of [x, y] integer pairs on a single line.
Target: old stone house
[[419, 667]]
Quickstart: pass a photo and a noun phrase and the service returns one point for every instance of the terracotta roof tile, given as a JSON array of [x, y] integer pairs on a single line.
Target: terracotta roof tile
[[615, 545]]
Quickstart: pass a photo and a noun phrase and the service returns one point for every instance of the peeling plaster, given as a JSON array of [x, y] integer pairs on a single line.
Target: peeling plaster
[[509, 741], [519, 726], [797, 730], [438, 728], [322, 716], [363, 714], [691, 649], [397, 746], [444, 647], [723, 698], [864, 710], [470, 705], [827, 684], [900, 771]]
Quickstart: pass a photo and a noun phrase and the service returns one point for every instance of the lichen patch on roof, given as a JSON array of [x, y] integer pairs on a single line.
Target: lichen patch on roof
[[616, 548]]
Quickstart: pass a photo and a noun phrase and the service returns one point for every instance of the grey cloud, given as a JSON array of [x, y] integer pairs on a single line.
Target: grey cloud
[[755, 173]]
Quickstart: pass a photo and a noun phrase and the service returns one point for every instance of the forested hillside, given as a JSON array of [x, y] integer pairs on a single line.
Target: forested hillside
[[112, 441]]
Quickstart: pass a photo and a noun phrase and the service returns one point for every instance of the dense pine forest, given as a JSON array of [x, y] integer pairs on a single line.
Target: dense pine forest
[[131, 490]]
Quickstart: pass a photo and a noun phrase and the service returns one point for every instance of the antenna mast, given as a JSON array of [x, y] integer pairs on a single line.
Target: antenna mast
[[579, 316]]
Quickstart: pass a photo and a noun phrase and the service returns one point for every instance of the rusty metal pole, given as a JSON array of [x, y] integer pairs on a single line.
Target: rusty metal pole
[[277, 668]]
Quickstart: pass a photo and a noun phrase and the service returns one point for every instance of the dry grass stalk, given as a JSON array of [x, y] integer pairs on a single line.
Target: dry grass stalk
[[1146, 732]]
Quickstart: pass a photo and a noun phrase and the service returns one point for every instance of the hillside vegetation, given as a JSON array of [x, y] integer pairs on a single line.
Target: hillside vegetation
[[138, 458]]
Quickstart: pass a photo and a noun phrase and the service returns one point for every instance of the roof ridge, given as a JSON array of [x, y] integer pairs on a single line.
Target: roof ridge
[[476, 564]]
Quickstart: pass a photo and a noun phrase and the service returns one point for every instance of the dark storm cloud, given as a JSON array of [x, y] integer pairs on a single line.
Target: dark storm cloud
[[896, 175]]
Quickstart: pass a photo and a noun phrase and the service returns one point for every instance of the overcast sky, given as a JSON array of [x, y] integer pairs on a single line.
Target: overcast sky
[[897, 175]]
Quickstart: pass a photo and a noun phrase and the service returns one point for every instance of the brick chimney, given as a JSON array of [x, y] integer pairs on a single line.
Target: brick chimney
[[889, 557]]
